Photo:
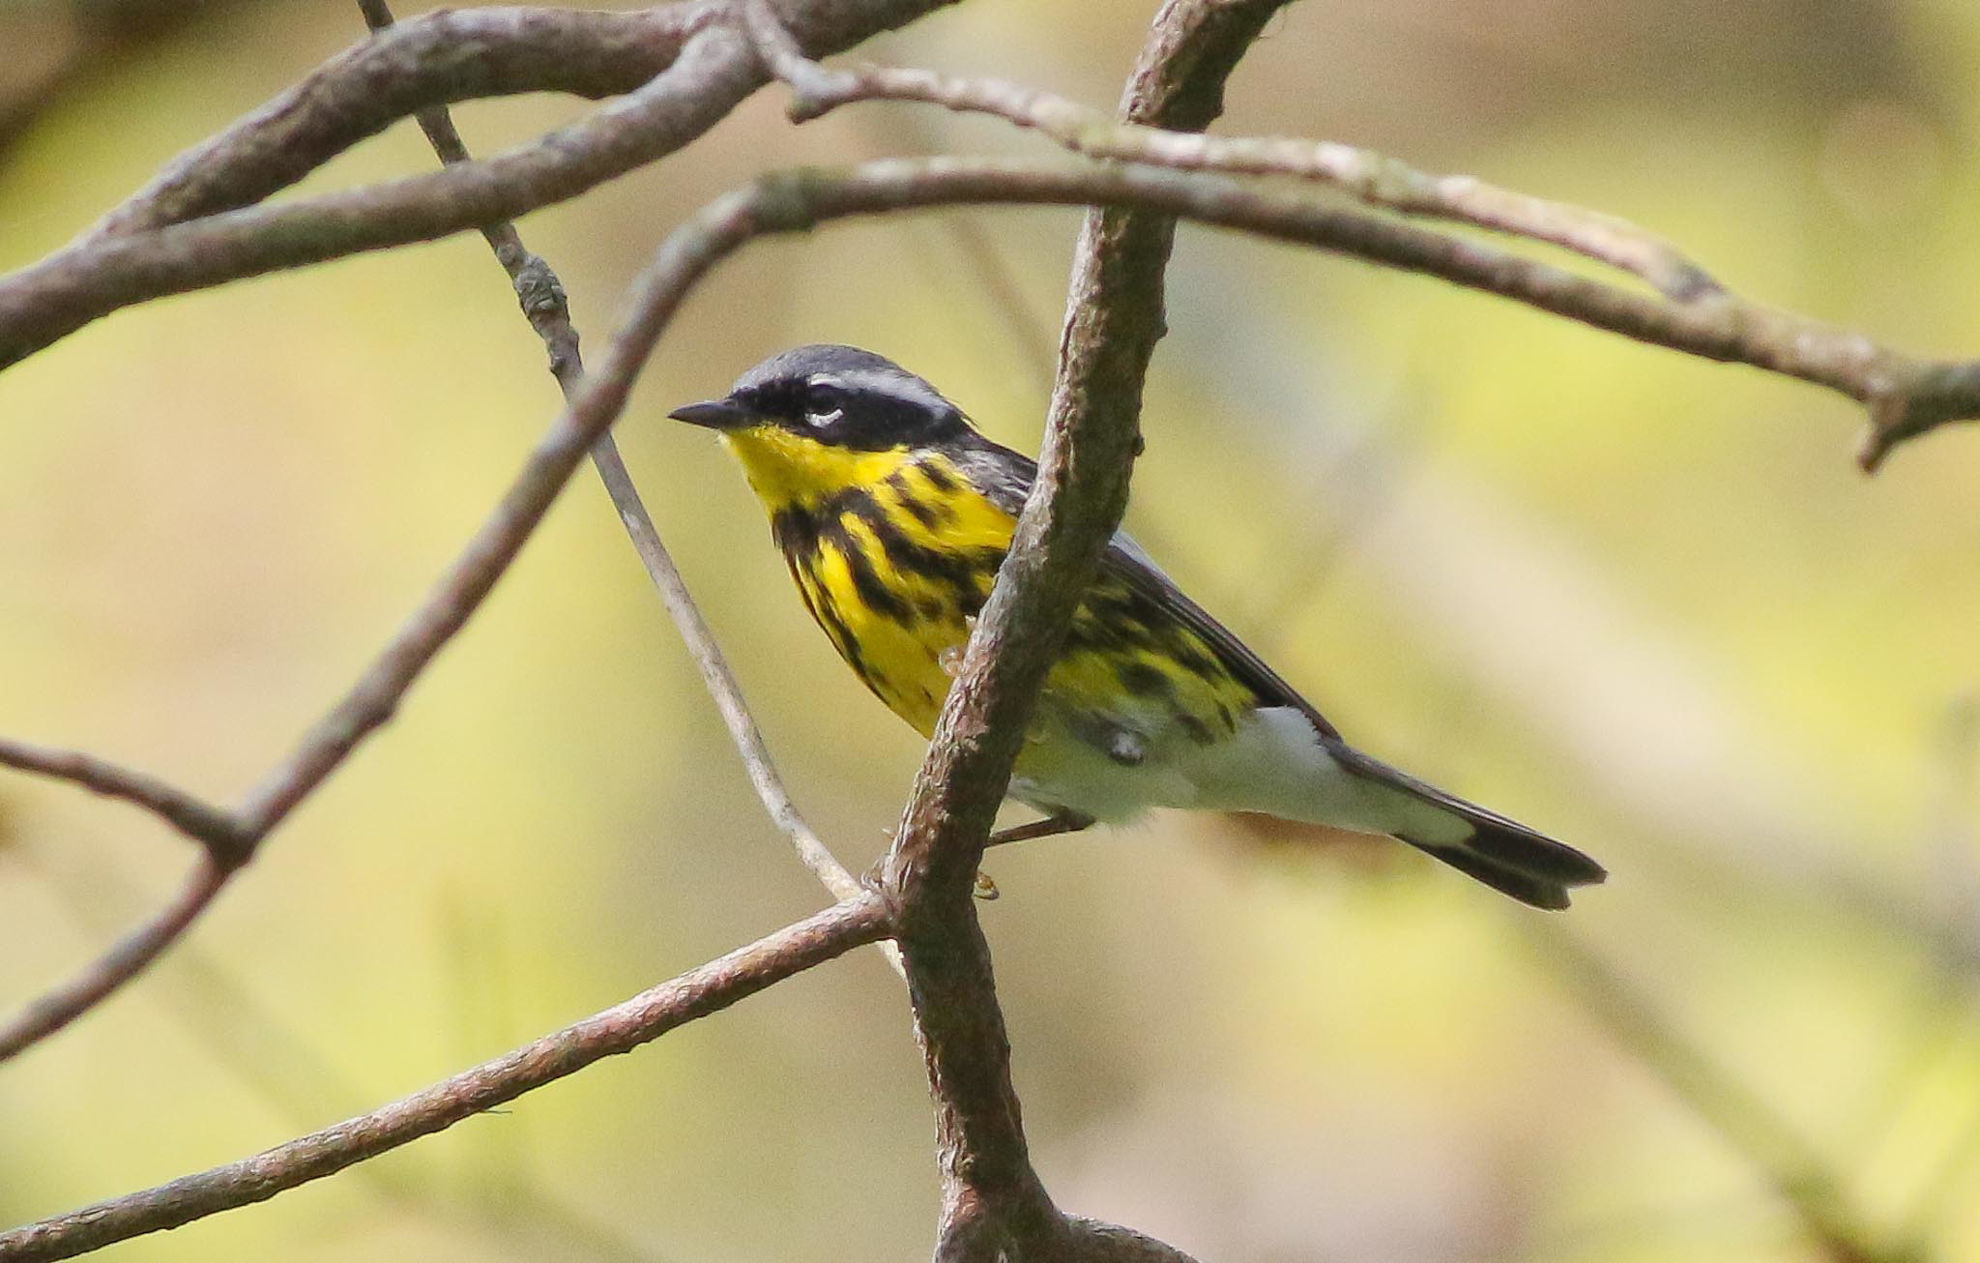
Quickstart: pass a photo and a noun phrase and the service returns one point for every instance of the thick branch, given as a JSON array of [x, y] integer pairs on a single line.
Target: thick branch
[[432, 59], [994, 1205], [1906, 396], [695, 994], [714, 71]]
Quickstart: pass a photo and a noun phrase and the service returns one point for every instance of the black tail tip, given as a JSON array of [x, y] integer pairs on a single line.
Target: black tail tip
[[1529, 867]]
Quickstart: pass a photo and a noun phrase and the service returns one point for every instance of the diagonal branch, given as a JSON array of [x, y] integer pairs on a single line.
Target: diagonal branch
[[713, 72], [719, 677], [543, 301], [126, 959], [1907, 396], [440, 57], [430, 60], [622, 1028]]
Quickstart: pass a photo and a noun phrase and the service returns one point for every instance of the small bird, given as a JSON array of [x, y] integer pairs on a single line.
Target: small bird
[[893, 515]]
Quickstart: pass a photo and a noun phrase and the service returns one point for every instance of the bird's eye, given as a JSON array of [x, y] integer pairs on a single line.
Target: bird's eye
[[824, 405]]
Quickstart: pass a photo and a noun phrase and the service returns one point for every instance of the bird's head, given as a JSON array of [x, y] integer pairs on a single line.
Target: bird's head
[[815, 419], [804, 405]]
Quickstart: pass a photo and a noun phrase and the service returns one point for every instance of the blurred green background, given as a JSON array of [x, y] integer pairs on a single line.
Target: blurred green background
[[1643, 601]]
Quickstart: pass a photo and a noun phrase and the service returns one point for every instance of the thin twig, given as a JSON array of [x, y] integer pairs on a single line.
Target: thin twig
[[214, 828], [622, 1028], [545, 304], [717, 675], [227, 844], [124, 961], [289, 1075], [1363, 174], [1766, 1141]]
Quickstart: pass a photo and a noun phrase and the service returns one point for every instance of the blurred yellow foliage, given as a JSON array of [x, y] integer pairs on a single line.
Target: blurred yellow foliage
[[1642, 601]]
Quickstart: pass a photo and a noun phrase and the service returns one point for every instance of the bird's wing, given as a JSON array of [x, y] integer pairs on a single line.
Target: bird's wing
[[1127, 561], [1005, 477]]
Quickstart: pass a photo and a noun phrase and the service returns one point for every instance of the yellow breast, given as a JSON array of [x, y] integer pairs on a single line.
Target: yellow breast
[[892, 551]]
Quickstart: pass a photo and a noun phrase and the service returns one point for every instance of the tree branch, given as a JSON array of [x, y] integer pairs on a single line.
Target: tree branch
[[227, 845], [129, 957], [719, 678], [1370, 177], [1906, 396], [993, 1204], [214, 828], [433, 59], [713, 71], [622, 1028], [544, 303]]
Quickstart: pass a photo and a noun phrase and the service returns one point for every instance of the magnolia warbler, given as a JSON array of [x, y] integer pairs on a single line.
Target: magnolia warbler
[[893, 515]]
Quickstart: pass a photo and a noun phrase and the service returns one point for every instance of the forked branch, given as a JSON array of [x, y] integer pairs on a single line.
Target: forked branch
[[214, 828]]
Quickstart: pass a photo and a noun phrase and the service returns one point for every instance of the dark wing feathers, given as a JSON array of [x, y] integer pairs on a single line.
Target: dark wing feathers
[[1125, 560], [1006, 477]]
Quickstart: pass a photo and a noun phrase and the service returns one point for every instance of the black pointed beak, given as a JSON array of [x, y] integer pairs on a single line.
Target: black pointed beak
[[716, 414]]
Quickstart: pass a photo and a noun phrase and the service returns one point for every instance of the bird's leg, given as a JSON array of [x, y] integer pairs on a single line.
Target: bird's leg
[[1050, 827]]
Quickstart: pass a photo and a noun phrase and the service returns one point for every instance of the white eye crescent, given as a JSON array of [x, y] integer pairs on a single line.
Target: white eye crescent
[[819, 420]]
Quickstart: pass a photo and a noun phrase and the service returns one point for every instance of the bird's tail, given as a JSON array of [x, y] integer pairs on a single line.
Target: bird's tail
[[1502, 853]]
